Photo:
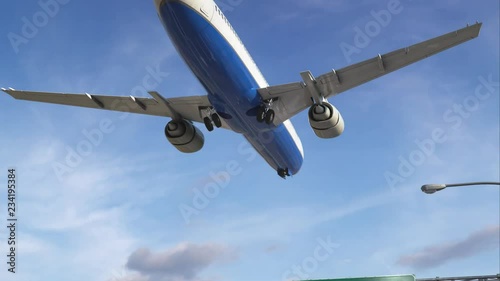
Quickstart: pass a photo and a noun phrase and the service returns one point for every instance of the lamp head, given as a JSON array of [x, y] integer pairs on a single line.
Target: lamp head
[[432, 188]]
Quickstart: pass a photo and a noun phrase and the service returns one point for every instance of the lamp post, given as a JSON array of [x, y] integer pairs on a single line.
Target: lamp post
[[432, 188]]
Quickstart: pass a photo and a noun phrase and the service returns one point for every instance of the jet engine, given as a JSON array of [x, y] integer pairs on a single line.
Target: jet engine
[[326, 120], [184, 136]]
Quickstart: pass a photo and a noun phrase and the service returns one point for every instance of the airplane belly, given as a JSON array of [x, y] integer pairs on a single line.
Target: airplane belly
[[230, 86]]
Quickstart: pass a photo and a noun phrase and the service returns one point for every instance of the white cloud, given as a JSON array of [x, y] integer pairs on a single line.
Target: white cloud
[[184, 262], [432, 256]]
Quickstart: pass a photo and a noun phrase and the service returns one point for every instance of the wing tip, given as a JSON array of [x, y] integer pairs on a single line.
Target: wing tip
[[477, 25], [9, 91]]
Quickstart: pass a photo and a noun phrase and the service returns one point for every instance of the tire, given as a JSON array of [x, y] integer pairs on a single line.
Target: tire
[[282, 173], [270, 116], [208, 124], [261, 114], [216, 120]]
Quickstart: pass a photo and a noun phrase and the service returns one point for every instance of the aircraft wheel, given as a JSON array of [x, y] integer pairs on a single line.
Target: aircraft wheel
[[208, 124], [283, 173], [216, 120], [261, 114], [270, 116]]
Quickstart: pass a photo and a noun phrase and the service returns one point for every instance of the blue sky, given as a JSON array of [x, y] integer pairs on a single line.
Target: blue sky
[[116, 214]]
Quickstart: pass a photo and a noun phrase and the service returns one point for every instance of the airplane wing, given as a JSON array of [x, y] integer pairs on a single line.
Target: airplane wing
[[190, 108], [290, 99]]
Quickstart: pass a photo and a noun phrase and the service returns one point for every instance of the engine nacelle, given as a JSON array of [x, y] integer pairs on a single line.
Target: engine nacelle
[[184, 136], [326, 121]]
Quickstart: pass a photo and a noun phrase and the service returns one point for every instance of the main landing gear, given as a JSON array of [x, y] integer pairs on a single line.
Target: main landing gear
[[265, 113], [214, 119], [283, 173]]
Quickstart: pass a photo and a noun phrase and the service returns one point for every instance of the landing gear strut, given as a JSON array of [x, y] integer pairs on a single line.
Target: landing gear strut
[[283, 173], [265, 113]]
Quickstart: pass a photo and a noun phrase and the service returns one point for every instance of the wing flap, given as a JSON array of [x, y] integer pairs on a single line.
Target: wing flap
[[360, 73], [114, 103], [272, 92], [189, 108]]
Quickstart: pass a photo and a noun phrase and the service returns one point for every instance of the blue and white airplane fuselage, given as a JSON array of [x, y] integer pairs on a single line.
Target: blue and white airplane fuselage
[[214, 53]]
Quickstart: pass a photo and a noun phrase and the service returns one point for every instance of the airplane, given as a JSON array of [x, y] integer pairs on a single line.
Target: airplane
[[238, 97]]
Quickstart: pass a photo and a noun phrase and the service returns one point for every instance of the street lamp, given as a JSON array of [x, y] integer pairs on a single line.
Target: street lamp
[[432, 188]]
